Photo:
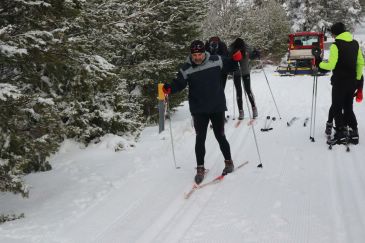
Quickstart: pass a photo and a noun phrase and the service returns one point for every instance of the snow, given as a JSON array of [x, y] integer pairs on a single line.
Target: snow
[[34, 3], [11, 50], [303, 193], [8, 90]]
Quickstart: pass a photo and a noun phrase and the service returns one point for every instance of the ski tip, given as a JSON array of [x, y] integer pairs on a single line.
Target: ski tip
[[260, 165]]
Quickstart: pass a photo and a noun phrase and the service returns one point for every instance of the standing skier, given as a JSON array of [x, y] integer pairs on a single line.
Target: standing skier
[[244, 72], [346, 61], [202, 72]]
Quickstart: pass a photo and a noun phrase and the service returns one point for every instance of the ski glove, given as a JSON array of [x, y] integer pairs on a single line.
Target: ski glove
[[237, 56], [166, 89], [359, 95]]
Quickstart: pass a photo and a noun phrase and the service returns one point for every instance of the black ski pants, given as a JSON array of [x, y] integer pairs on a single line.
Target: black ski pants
[[201, 122], [342, 107], [246, 79]]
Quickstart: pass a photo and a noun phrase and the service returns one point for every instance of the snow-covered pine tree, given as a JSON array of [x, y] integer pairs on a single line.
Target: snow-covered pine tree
[[96, 100], [156, 40], [311, 15], [263, 25], [31, 51], [222, 19], [81, 69], [266, 27]]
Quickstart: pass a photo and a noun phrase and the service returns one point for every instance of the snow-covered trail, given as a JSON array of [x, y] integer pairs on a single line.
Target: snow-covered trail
[[303, 193]]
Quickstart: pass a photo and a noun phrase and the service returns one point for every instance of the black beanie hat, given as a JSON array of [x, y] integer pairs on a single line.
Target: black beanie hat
[[238, 44], [197, 46], [338, 28], [214, 39]]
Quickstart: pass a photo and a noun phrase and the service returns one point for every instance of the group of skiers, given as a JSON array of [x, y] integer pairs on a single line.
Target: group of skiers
[[208, 65]]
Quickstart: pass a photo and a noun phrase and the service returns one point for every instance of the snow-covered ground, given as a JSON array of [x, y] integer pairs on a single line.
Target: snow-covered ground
[[304, 192]]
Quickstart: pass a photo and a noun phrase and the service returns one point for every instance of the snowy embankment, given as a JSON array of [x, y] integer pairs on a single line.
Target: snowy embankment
[[303, 193]]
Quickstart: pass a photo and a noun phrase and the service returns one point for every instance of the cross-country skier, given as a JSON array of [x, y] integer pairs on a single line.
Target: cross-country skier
[[239, 44], [347, 62], [354, 137], [207, 102]]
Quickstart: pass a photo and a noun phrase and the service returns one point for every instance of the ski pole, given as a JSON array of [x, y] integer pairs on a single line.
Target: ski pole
[[252, 125], [233, 105], [314, 105], [267, 118], [267, 81], [172, 140]]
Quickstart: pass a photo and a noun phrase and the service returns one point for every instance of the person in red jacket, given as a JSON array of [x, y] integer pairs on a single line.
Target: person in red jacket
[[207, 102]]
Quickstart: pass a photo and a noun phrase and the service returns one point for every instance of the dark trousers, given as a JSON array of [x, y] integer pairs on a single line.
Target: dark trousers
[[342, 107], [246, 79], [201, 122]]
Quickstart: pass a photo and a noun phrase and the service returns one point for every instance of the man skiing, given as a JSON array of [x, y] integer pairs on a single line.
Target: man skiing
[[347, 62], [207, 102]]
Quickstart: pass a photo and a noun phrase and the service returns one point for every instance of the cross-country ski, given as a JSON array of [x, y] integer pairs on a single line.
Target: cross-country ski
[[213, 181]]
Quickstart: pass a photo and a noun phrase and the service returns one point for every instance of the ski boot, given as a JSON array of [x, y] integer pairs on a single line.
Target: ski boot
[[228, 168], [254, 112], [200, 172], [241, 115], [353, 136], [340, 137], [329, 126]]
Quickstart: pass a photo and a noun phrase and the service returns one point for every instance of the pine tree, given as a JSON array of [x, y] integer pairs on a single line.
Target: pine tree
[[30, 53], [81, 69], [311, 15], [159, 33]]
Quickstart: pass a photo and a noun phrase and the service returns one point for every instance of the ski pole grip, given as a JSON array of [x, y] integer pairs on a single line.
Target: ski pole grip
[[161, 95]]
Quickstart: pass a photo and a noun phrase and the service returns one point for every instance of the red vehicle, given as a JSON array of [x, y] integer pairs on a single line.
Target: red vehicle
[[300, 52]]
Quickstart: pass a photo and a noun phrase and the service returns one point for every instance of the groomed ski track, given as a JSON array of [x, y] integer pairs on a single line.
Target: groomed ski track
[[304, 193]]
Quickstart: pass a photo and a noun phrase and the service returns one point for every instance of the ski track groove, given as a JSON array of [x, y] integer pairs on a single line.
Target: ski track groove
[[171, 221], [232, 138], [354, 177], [346, 196]]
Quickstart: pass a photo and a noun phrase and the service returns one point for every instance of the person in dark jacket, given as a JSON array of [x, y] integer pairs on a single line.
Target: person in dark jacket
[[215, 46], [244, 72], [207, 102], [346, 62]]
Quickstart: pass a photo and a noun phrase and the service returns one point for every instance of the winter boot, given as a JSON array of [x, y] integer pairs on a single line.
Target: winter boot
[[200, 172], [254, 112], [241, 115], [228, 168], [328, 130], [353, 136], [340, 137]]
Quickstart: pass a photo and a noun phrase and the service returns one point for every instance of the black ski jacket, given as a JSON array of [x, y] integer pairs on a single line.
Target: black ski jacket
[[206, 93]]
